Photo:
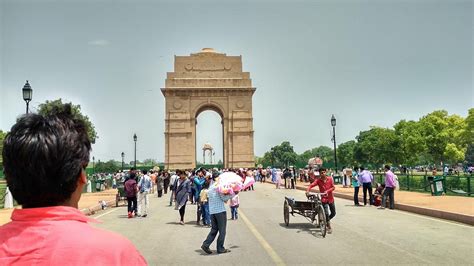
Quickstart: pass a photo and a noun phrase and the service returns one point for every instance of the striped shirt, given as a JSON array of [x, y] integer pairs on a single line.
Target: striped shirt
[[216, 200]]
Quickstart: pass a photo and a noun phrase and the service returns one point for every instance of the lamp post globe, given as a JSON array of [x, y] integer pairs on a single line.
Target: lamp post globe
[[135, 157], [27, 95], [333, 124], [123, 156], [333, 120]]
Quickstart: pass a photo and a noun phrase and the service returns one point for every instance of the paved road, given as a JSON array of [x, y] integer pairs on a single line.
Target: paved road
[[362, 235]]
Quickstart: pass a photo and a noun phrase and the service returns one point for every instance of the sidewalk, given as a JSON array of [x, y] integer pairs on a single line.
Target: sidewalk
[[88, 204], [454, 208]]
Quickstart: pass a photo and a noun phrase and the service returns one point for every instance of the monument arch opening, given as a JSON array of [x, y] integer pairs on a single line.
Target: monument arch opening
[[208, 80], [209, 138]]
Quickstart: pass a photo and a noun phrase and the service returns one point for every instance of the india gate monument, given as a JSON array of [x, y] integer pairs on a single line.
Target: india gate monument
[[203, 81]]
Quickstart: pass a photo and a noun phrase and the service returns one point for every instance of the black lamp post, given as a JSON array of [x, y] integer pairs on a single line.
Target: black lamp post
[[135, 161], [123, 155], [27, 95], [93, 164], [333, 124]]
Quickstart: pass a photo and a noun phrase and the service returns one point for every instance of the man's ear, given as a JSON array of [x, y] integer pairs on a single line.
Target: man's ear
[[82, 177]]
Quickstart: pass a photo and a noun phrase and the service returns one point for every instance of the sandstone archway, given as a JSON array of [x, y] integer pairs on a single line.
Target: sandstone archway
[[208, 80]]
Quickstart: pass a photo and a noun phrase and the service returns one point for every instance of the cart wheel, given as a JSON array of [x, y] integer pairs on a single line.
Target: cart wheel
[[286, 213], [117, 198], [322, 220]]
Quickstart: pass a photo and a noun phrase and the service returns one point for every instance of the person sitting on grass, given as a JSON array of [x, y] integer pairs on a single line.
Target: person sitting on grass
[[44, 160]]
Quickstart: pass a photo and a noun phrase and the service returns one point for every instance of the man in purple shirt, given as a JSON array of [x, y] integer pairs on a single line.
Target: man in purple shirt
[[365, 177], [389, 188]]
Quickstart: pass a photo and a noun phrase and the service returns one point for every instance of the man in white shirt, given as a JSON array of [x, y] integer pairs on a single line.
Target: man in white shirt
[[173, 179], [144, 187]]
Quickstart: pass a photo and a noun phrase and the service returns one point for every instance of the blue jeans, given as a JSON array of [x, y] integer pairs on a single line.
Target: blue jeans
[[206, 217], [219, 224], [234, 211]]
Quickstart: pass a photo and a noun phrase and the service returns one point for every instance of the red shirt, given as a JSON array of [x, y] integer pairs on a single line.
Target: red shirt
[[324, 186], [62, 236]]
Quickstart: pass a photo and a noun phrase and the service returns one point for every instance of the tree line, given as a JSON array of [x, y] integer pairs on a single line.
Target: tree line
[[434, 139]]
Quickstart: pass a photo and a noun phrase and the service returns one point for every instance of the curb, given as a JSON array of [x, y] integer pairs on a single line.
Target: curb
[[457, 217], [92, 210]]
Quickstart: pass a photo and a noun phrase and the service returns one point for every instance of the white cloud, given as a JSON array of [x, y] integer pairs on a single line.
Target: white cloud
[[98, 42]]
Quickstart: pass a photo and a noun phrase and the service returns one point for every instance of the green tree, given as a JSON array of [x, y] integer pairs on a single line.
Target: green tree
[[324, 152], [453, 154], [439, 129], [283, 154], [469, 155], [468, 134], [345, 153], [412, 144], [47, 107], [468, 137], [151, 162], [377, 146], [110, 166], [2, 137]]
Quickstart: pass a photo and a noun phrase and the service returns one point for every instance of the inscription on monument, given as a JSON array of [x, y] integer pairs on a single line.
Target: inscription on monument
[[208, 66]]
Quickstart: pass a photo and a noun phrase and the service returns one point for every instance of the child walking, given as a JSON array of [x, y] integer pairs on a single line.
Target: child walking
[[234, 206], [204, 202]]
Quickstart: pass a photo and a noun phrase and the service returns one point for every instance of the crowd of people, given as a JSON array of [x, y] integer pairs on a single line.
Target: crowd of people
[[183, 186]]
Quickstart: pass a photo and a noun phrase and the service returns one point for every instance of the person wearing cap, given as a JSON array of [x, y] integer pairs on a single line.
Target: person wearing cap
[[326, 187], [44, 160]]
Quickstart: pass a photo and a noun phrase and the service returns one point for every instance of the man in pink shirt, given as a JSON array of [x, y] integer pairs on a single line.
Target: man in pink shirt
[[389, 188], [44, 159], [326, 186]]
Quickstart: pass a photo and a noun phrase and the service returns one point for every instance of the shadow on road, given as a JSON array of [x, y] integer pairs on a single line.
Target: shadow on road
[[214, 252], [304, 227]]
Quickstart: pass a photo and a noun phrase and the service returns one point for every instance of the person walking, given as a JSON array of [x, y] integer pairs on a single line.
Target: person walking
[[159, 184], [389, 188], [292, 177], [166, 181], [366, 178], [173, 179], [199, 181], [144, 187], [356, 185], [182, 191], [278, 175], [131, 189], [234, 207], [218, 220], [204, 201]]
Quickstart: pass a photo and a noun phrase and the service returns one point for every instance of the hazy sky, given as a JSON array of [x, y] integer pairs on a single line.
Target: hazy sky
[[367, 62]]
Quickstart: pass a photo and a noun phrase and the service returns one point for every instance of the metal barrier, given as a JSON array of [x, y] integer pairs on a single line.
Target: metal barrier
[[455, 184]]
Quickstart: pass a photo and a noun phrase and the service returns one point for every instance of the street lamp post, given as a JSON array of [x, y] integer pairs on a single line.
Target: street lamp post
[[135, 160], [93, 164], [123, 155], [27, 95], [333, 124]]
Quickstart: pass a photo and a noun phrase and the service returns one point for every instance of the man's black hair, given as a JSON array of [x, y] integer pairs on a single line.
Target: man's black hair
[[387, 167], [43, 157]]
